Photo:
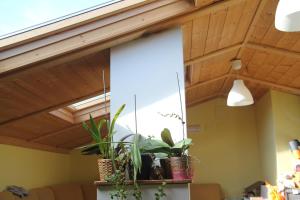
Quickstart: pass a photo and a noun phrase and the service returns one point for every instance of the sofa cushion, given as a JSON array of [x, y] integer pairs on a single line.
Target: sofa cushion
[[7, 196], [31, 196], [89, 191], [44, 193], [67, 192], [206, 191]]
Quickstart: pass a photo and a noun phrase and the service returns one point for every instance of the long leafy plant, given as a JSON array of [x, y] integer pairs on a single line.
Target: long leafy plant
[[102, 140]]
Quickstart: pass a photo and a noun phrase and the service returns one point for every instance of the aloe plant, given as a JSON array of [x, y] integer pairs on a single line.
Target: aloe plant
[[102, 141]]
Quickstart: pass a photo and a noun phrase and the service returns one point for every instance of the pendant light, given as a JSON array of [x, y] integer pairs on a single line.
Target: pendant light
[[287, 16], [239, 94]]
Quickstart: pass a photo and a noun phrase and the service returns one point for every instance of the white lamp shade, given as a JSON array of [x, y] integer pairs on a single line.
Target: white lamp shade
[[239, 95], [287, 16]]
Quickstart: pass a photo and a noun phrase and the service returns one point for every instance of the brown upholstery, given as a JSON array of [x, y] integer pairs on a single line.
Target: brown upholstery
[[32, 196], [44, 193], [67, 192], [6, 196], [89, 191], [206, 192]]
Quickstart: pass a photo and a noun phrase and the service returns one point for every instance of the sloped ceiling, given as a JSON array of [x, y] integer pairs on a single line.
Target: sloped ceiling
[[245, 30]]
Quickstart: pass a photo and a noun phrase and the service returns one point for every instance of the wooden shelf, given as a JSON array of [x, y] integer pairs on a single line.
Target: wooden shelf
[[148, 182]]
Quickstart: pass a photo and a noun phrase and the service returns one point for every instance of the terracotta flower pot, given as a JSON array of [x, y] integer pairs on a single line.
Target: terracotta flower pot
[[181, 168], [105, 168]]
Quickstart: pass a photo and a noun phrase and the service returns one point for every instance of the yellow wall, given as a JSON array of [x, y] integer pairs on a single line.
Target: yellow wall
[[32, 168], [83, 168], [278, 122], [266, 137], [226, 146], [286, 110]]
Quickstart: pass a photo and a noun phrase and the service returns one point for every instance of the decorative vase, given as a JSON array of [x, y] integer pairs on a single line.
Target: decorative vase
[[105, 168], [181, 168]]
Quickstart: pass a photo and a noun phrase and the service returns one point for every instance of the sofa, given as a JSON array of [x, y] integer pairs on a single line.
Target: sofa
[[88, 192], [57, 192]]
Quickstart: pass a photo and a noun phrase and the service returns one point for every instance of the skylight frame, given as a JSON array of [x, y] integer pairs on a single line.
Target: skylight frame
[[89, 102]]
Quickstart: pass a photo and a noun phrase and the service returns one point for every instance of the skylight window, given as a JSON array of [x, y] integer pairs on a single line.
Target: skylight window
[[89, 102], [21, 16]]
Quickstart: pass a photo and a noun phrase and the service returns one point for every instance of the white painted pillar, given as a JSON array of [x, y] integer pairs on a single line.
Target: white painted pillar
[[147, 67]]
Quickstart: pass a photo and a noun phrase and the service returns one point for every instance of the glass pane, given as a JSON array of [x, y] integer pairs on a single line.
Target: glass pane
[[17, 16]]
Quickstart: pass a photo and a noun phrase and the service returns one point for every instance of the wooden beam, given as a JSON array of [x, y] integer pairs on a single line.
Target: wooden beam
[[268, 84], [207, 82], [207, 98], [276, 86], [141, 23], [32, 145], [76, 32], [273, 50], [55, 133], [51, 108], [213, 54], [123, 26], [52, 134], [249, 32], [251, 28], [71, 23], [63, 114]]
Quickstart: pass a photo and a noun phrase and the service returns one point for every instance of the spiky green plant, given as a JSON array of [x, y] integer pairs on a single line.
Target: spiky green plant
[[103, 141]]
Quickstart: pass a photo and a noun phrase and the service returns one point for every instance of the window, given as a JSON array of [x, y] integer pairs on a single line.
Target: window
[[21, 16]]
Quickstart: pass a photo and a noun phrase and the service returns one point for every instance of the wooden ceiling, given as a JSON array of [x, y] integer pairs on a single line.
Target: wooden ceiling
[[215, 32]]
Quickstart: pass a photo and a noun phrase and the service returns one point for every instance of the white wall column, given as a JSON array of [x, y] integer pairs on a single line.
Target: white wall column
[[147, 68]]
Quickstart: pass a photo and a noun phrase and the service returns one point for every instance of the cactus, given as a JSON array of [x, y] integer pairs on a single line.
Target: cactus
[[166, 137]]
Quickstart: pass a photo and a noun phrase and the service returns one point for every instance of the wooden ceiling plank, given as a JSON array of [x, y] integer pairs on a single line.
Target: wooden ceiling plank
[[199, 35], [72, 22], [232, 20], [202, 100], [77, 124], [214, 35], [51, 108], [206, 82], [99, 35], [213, 54], [292, 90], [250, 7], [201, 3], [251, 28], [55, 133], [187, 39], [112, 32], [32, 145], [264, 22], [273, 50]]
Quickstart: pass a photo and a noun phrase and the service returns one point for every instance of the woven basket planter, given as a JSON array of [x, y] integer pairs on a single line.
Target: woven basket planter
[[105, 168], [181, 168]]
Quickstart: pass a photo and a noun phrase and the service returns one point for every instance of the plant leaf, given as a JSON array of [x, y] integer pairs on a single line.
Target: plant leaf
[[154, 146], [183, 144], [112, 125], [166, 137]]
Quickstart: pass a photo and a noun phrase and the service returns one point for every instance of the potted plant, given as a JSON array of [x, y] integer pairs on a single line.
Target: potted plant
[[177, 152], [103, 142], [179, 160]]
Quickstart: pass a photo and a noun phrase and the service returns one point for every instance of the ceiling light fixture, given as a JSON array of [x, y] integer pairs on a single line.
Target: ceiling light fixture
[[239, 94], [287, 16]]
